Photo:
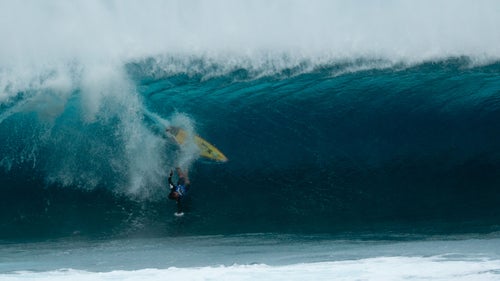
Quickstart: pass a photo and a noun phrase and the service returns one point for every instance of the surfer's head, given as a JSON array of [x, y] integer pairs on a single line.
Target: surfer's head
[[174, 195]]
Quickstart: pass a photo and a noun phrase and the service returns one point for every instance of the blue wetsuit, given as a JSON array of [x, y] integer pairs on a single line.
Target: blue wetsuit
[[180, 188]]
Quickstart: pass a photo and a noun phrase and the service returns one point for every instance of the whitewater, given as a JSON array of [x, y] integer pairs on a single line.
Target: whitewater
[[362, 138]]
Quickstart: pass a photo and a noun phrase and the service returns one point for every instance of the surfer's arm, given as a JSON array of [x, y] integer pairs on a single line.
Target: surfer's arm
[[170, 183], [179, 207]]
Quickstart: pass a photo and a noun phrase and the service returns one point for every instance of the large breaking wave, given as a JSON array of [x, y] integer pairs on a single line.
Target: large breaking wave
[[334, 115]]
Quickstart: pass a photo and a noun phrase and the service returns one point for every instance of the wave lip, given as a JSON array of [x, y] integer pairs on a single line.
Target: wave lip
[[118, 31]]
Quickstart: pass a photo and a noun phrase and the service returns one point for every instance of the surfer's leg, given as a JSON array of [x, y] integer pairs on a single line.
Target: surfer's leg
[[179, 172], [183, 175]]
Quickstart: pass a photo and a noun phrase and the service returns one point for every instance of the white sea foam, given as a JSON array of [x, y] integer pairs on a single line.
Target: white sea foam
[[44, 33], [106, 30], [59, 44], [381, 268], [47, 44]]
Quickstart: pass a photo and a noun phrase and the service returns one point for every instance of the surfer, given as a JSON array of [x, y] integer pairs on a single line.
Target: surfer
[[179, 190]]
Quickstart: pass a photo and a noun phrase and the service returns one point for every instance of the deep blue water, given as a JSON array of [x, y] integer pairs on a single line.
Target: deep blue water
[[362, 138], [326, 149]]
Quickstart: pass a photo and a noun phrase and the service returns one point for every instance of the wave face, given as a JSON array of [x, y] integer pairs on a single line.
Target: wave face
[[369, 119]]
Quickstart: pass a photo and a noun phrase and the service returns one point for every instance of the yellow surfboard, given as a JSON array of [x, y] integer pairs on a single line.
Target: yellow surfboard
[[207, 150]]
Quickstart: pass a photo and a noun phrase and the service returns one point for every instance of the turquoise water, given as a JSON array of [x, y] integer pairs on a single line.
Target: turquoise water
[[309, 153], [362, 138]]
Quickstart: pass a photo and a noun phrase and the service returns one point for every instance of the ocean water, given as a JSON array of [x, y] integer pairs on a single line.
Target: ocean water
[[256, 256], [362, 138]]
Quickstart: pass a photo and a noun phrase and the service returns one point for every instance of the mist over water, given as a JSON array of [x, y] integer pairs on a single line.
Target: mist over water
[[64, 46], [117, 30]]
